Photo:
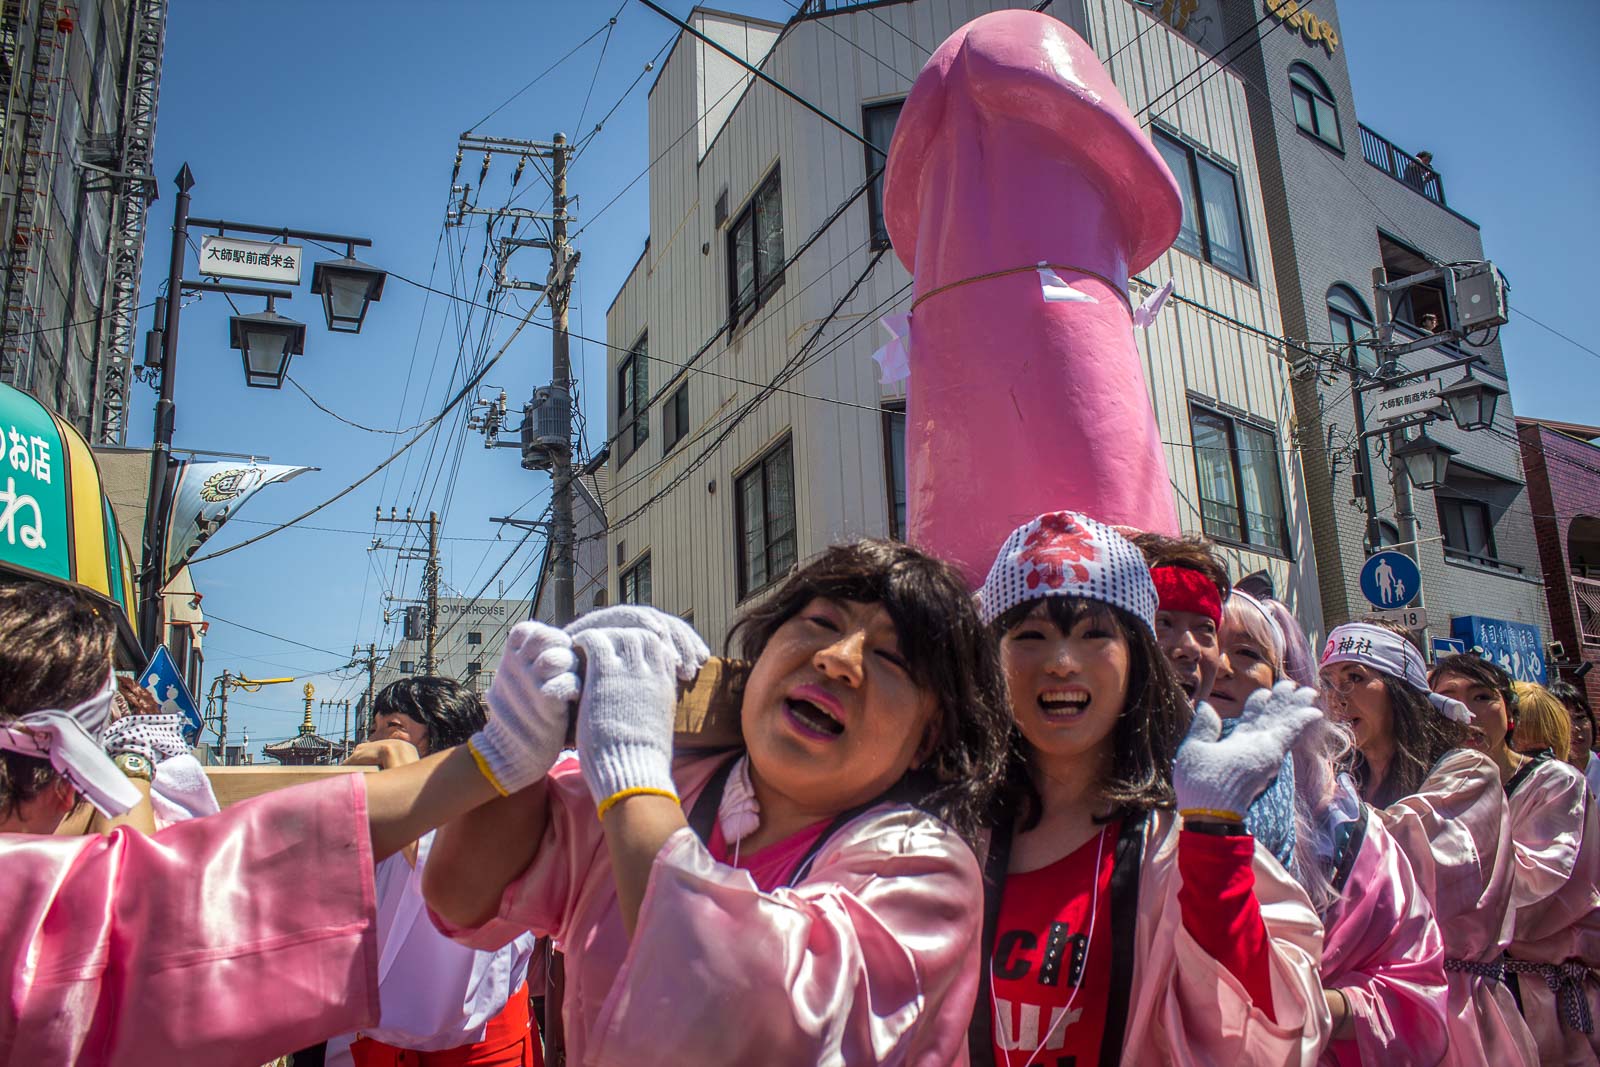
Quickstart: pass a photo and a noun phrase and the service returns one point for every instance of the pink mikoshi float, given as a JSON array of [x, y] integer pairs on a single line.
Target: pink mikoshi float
[[1021, 193]]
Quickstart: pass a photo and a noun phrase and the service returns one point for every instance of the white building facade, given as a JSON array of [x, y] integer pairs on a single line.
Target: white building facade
[[748, 427]]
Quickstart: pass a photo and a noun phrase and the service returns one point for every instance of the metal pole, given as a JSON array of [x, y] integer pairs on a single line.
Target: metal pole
[[430, 655], [151, 575], [1368, 482], [372, 681], [222, 725], [561, 372], [345, 741]]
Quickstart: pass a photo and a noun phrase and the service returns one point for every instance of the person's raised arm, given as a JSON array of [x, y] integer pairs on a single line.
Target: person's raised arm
[[485, 846]]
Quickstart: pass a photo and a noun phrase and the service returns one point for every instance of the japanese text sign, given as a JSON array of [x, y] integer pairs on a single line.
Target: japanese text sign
[[260, 261], [33, 489]]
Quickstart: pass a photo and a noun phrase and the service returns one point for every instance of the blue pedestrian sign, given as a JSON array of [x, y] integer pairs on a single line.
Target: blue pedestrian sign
[[1390, 580], [162, 680]]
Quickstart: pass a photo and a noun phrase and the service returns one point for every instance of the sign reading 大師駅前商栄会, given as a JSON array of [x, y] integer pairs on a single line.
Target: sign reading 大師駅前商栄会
[[256, 261], [1404, 401]]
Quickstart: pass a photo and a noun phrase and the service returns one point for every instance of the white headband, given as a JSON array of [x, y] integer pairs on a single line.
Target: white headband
[[70, 741], [1280, 643], [1387, 651]]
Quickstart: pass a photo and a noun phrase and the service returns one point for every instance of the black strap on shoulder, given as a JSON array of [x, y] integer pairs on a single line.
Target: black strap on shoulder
[[980, 1034], [910, 790], [1351, 837], [703, 816], [1542, 756], [1124, 930]]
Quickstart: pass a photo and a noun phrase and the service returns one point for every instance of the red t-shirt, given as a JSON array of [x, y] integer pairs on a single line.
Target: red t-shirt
[[1045, 954], [1048, 952], [770, 866]]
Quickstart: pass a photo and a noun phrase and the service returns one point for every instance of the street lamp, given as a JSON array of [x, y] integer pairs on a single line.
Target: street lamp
[[1472, 402], [347, 287], [266, 340], [1427, 461]]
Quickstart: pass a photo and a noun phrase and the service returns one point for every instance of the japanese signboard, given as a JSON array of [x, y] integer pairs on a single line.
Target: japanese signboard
[[1513, 645], [33, 492], [1407, 400], [257, 261]]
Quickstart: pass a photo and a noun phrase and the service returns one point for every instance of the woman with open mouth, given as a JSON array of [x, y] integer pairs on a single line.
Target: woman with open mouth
[[812, 897], [1555, 901], [1442, 803], [1117, 930], [1382, 953]]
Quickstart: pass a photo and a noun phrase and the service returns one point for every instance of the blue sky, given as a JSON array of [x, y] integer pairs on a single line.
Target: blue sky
[[343, 117]]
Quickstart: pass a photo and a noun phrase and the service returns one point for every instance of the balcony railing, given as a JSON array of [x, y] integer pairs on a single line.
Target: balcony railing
[[1586, 591], [1402, 166]]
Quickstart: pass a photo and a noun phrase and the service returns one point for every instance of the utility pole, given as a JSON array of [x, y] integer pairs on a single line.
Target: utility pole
[[219, 693], [561, 585], [430, 583], [369, 660], [335, 705], [546, 432]]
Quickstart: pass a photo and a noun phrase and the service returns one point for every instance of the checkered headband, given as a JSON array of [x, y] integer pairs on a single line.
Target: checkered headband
[[1064, 553]]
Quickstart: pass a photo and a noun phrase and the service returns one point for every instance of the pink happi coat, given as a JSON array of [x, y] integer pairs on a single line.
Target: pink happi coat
[[872, 958], [1455, 831], [1555, 831], [1188, 1008], [230, 939], [1384, 952]]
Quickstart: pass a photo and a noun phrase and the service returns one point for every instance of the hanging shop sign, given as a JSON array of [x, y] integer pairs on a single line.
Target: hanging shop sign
[[55, 521], [1515, 646], [1316, 30], [256, 261], [1404, 401]]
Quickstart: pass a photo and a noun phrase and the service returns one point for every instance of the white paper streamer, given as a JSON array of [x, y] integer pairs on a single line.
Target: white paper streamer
[[894, 358], [1056, 290], [1146, 313]]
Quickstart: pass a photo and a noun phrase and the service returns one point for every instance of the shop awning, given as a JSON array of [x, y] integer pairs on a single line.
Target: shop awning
[[55, 520]]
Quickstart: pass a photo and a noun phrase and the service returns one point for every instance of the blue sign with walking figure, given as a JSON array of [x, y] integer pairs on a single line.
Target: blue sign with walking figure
[[1390, 579], [162, 679]]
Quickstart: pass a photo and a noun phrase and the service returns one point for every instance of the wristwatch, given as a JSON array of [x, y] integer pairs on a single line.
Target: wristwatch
[[134, 765]]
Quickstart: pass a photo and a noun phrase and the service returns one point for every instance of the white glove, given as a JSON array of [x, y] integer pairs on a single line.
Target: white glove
[[1221, 777], [687, 649], [528, 699], [626, 715]]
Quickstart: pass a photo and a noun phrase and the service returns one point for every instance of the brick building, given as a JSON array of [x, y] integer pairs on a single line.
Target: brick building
[[1562, 461]]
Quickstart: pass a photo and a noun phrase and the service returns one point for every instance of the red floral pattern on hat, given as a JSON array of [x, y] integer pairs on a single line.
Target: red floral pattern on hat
[[1059, 544]]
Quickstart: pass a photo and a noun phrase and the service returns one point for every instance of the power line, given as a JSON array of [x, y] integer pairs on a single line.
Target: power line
[[212, 616], [542, 74]]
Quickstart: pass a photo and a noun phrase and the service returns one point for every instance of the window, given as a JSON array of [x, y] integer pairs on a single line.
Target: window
[[633, 398], [1215, 232], [474, 667], [1412, 306], [474, 637], [1469, 504], [1466, 525], [764, 502], [894, 461], [877, 122], [634, 586], [1314, 109], [408, 666], [1241, 490], [755, 251], [1350, 322], [675, 419]]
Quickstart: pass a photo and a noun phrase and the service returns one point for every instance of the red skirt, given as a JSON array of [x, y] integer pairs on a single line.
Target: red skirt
[[509, 1040]]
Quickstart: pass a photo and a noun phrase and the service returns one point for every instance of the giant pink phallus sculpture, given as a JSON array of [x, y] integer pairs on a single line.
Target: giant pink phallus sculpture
[[1015, 149]]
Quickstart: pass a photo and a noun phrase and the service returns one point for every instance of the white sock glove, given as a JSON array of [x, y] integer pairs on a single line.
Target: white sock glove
[[626, 714], [533, 686], [1221, 777], [687, 648]]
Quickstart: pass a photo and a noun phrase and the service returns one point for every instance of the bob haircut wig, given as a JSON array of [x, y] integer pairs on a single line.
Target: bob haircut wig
[[1148, 732], [448, 710], [947, 652]]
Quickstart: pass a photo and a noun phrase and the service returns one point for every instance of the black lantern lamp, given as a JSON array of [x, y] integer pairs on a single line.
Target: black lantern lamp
[[1472, 402], [266, 340], [347, 287], [1427, 461]]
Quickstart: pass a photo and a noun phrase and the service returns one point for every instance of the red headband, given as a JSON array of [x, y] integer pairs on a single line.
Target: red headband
[[1180, 588]]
